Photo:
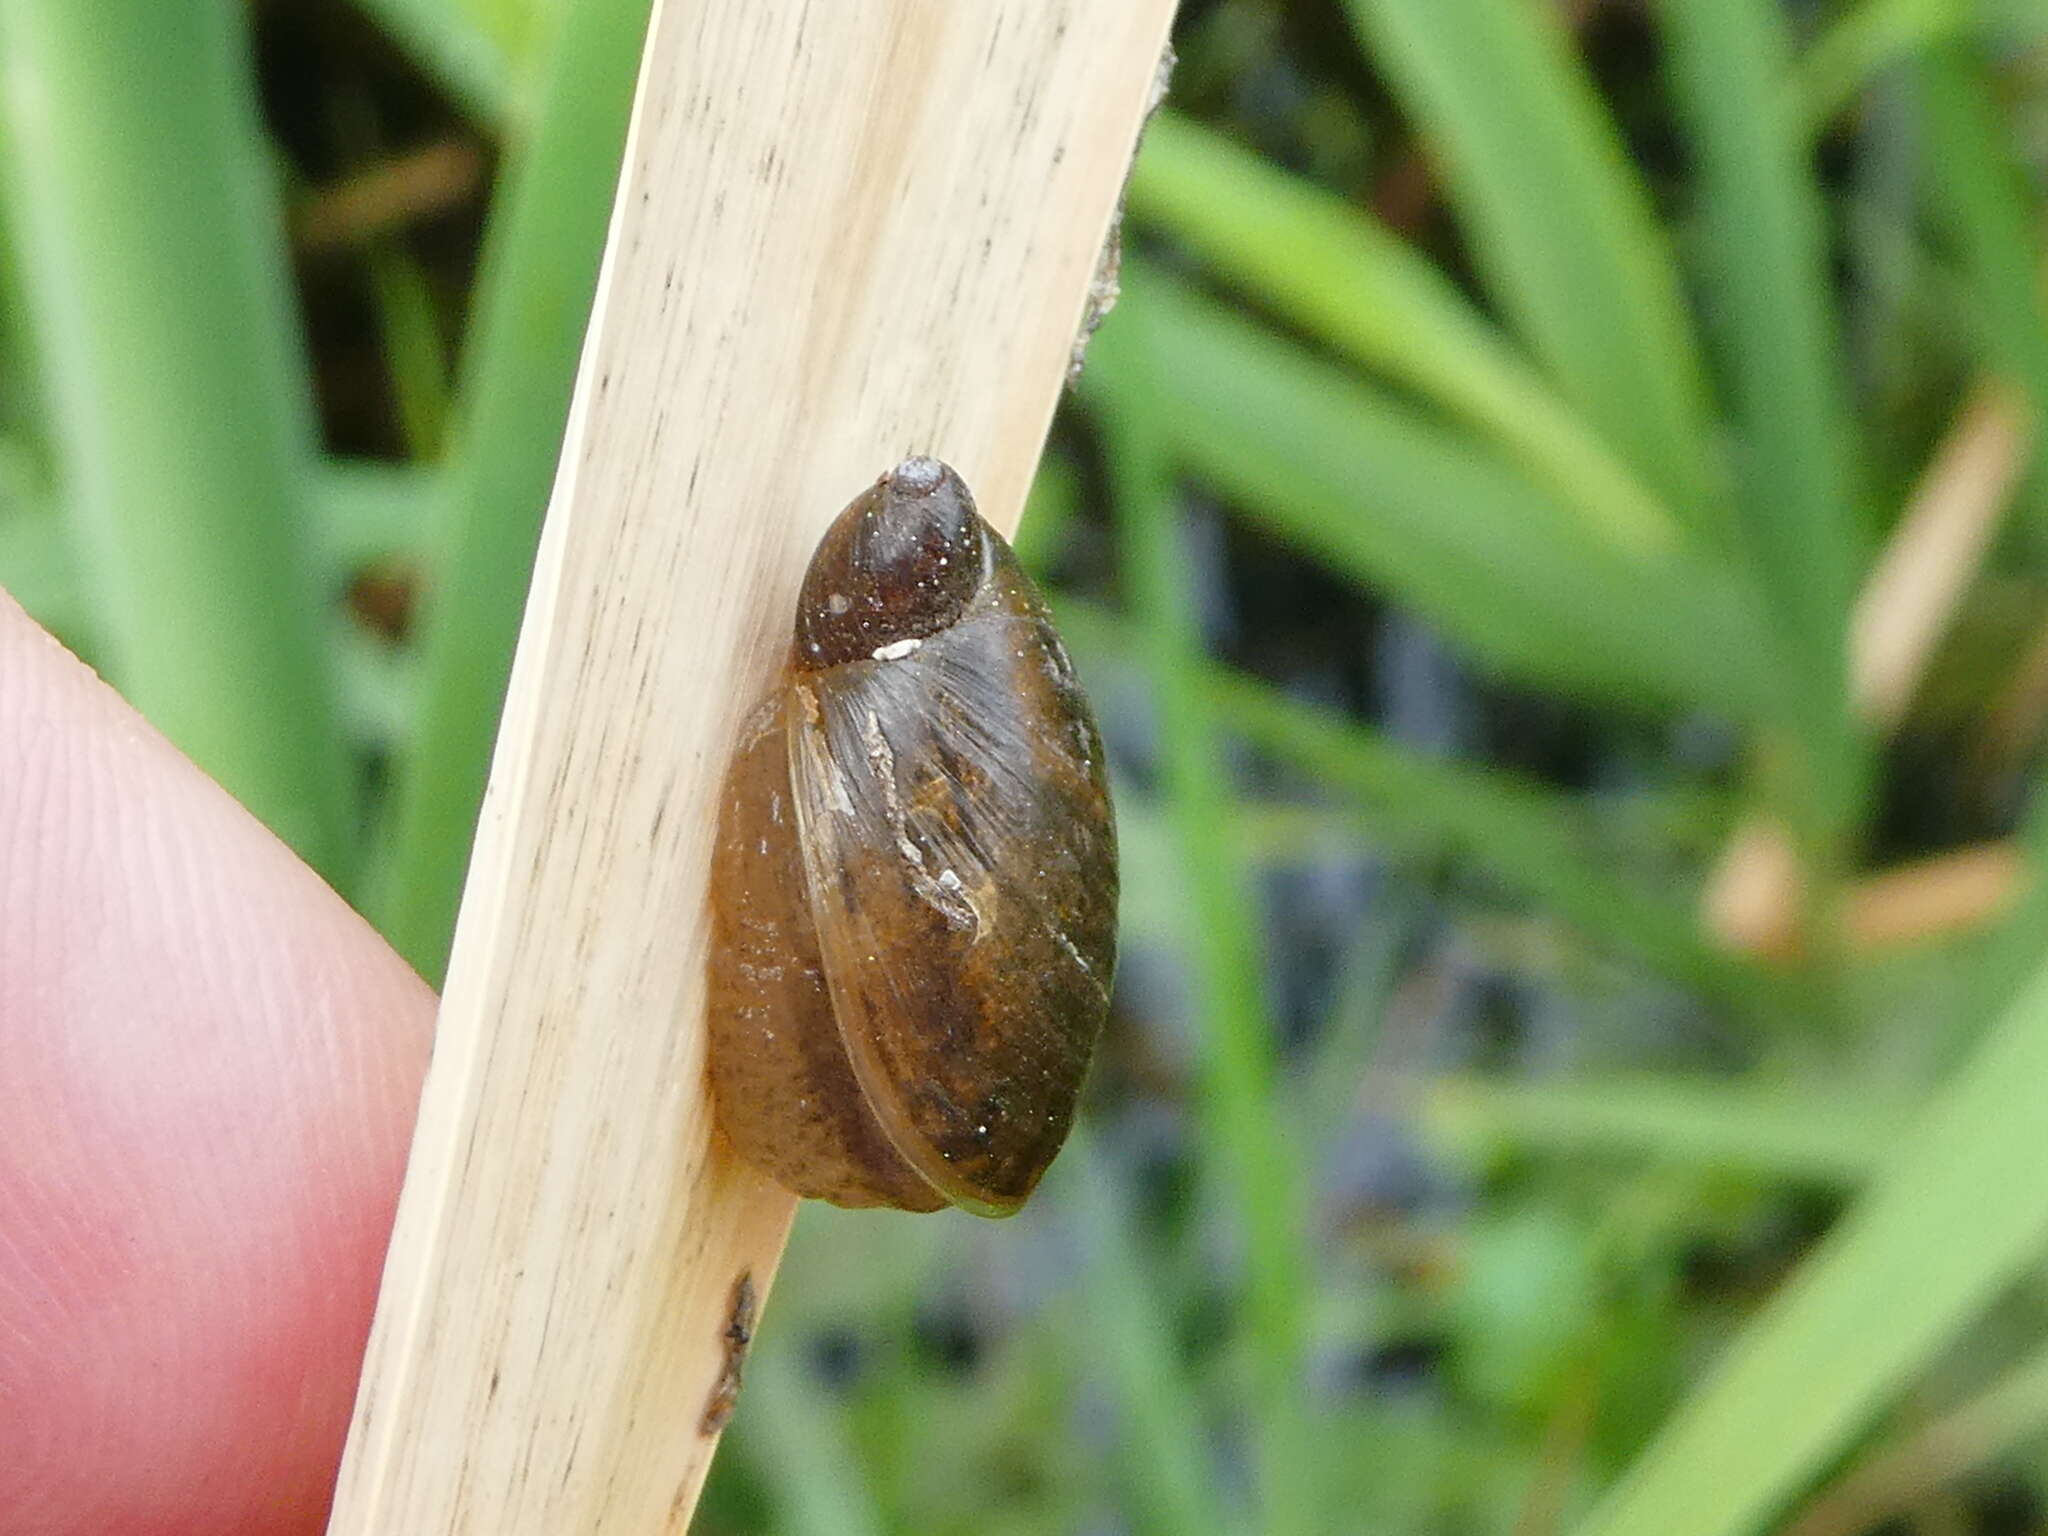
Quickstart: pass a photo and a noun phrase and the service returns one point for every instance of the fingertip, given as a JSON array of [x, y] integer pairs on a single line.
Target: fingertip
[[212, 1067]]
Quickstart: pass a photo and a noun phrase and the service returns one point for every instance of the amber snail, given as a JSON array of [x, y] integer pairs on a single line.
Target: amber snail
[[915, 882]]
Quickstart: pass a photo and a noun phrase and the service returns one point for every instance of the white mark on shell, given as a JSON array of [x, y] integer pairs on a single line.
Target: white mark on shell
[[945, 895], [1080, 959], [882, 762], [842, 791], [951, 896]]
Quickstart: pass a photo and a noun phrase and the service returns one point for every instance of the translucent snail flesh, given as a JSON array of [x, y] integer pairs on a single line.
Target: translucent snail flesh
[[915, 882]]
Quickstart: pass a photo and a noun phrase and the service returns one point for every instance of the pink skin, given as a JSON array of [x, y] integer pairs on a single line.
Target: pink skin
[[208, 1072]]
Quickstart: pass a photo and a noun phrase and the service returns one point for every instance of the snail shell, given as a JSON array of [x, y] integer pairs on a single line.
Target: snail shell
[[915, 882]]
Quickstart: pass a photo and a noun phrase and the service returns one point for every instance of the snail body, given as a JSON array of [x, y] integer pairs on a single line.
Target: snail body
[[915, 880]]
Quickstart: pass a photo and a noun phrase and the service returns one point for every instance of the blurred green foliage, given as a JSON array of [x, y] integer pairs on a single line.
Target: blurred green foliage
[[1463, 518]]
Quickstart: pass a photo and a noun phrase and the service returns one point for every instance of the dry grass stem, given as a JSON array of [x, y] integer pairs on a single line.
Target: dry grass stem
[[1754, 898], [389, 196], [1935, 553]]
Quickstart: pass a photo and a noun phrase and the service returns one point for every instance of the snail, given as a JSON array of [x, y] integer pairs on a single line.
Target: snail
[[914, 884]]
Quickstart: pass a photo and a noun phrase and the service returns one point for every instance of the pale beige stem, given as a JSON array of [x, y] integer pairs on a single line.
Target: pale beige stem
[[388, 196], [1754, 897], [1755, 893], [1948, 893], [1935, 553], [846, 232], [1906, 904]]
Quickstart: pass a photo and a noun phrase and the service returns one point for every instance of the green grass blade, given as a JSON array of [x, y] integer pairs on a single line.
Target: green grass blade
[[1560, 229], [1958, 1212], [1260, 1179], [1898, 1477], [1766, 283], [378, 690], [365, 511], [410, 333], [539, 273], [153, 250], [1264, 835], [1526, 836], [798, 1434], [371, 510], [1863, 42], [1991, 211], [1048, 514], [2015, 946], [1129, 1336], [38, 569], [1779, 1133], [449, 45], [368, 511], [1389, 496], [1332, 269]]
